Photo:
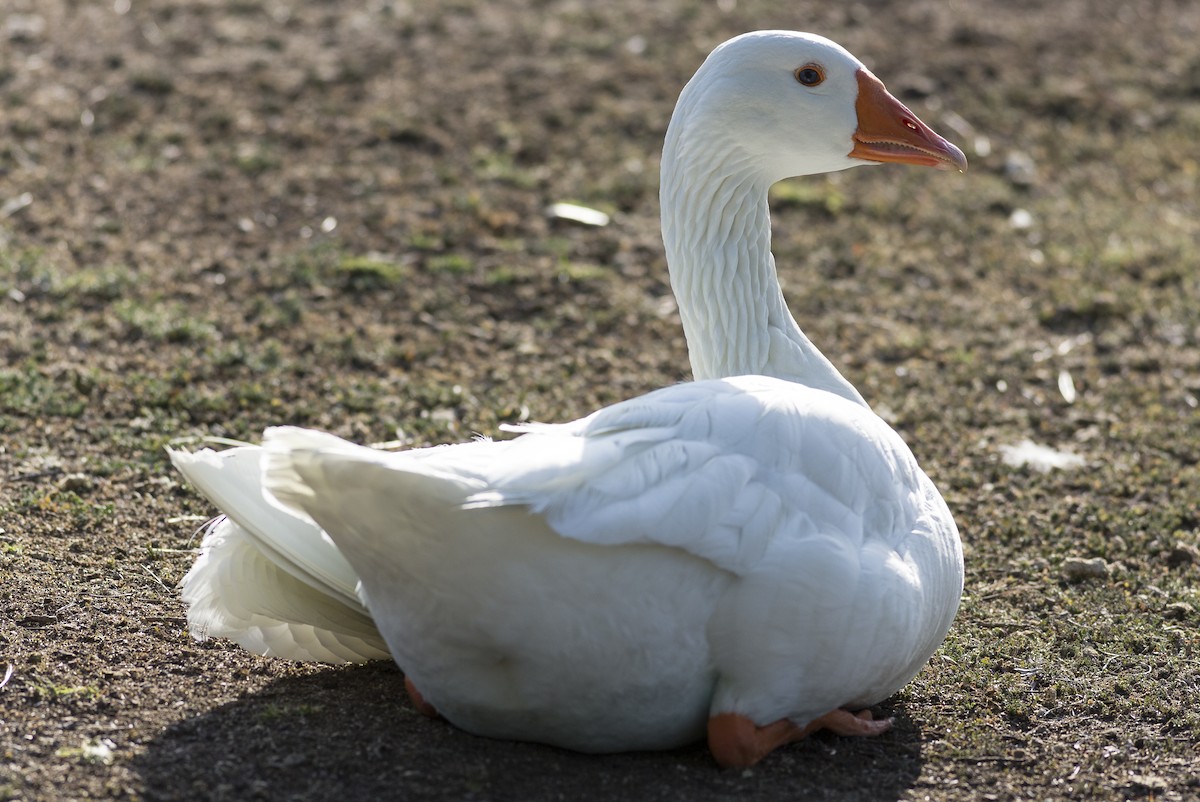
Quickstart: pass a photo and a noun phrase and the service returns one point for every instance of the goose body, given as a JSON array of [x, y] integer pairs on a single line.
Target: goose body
[[744, 553]]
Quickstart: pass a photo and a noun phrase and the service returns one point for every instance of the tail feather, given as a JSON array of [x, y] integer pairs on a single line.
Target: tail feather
[[266, 579], [232, 480], [288, 450], [235, 591], [305, 471]]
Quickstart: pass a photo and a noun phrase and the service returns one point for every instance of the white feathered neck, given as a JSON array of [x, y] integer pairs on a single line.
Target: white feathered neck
[[717, 231]]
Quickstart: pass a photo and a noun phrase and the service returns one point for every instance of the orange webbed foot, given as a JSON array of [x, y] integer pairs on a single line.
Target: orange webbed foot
[[423, 707], [737, 742], [842, 722]]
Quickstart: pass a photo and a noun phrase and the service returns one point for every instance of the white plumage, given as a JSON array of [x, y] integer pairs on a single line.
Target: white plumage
[[270, 582], [761, 546]]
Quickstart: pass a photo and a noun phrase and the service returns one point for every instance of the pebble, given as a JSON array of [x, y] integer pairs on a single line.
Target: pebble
[[1020, 168], [1020, 219], [1148, 782], [15, 204], [98, 751], [76, 483], [1077, 569], [1179, 610], [24, 27], [1182, 554]]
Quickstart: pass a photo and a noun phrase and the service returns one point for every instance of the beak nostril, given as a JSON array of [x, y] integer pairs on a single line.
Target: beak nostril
[[888, 131]]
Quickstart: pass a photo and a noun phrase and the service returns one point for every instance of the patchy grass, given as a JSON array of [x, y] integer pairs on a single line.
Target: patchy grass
[[79, 512], [175, 323], [451, 263], [29, 392], [365, 272], [53, 692]]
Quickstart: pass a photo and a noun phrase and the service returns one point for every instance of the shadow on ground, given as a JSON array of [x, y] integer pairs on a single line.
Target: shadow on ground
[[351, 733]]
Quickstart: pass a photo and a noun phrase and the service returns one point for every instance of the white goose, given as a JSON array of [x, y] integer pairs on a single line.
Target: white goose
[[745, 556]]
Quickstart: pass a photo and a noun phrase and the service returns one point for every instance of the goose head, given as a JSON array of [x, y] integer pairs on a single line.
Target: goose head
[[763, 107], [787, 104]]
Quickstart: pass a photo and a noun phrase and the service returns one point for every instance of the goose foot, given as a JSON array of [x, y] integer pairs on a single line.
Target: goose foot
[[737, 742], [423, 707]]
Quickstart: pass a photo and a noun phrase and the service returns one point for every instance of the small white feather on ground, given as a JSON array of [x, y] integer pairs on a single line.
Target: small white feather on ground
[[1039, 457]]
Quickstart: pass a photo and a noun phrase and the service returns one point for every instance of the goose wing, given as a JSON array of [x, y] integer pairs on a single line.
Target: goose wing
[[716, 468]]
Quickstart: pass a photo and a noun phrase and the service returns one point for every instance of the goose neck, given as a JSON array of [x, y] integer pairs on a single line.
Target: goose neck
[[717, 231]]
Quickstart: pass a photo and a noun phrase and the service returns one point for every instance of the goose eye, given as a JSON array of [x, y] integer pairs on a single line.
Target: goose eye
[[810, 74]]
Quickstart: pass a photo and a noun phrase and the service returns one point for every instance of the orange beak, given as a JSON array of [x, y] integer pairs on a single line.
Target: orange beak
[[889, 132]]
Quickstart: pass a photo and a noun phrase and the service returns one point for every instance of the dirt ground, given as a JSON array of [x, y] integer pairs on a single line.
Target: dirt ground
[[216, 215]]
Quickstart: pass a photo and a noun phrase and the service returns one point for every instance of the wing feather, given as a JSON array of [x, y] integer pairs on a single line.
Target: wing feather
[[717, 468]]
